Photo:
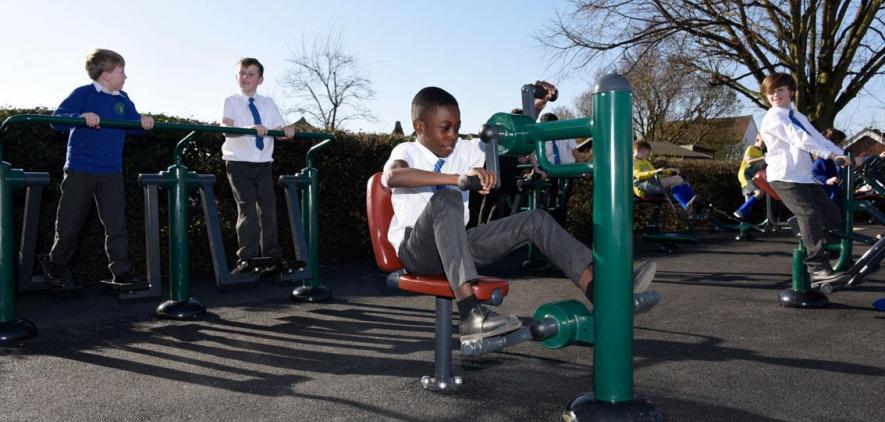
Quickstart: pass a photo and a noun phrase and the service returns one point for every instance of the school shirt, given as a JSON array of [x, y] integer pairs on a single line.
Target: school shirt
[[789, 146], [242, 147], [751, 153], [565, 147], [92, 150], [408, 203]]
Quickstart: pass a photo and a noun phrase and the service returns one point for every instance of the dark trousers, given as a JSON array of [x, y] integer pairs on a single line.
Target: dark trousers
[[438, 243], [815, 213], [252, 186], [77, 192]]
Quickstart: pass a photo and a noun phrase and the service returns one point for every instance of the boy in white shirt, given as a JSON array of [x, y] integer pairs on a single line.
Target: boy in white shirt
[[430, 213], [248, 160], [791, 140]]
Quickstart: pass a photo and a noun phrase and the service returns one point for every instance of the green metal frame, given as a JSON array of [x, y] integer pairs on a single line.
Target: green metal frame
[[178, 180], [612, 130]]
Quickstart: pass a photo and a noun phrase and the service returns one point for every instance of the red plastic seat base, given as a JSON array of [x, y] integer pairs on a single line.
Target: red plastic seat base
[[438, 285]]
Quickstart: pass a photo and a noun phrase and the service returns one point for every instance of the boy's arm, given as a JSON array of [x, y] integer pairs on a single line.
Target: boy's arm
[[640, 174], [398, 174], [72, 106]]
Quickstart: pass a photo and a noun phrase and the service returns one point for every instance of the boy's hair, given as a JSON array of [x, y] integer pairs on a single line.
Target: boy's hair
[[777, 80], [638, 145], [249, 61], [516, 110], [549, 117], [835, 135], [100, 60], [429, 99]]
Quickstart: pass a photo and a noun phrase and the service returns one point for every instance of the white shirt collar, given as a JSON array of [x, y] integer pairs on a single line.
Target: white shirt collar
[[100, 88]]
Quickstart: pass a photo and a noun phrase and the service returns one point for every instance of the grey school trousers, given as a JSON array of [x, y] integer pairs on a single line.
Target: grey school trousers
[[77, 192], [815, 212], [438, 242], [252, 186]]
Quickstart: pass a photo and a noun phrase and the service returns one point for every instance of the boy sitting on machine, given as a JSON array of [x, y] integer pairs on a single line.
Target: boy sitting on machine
[[651, 181], [430, 213]]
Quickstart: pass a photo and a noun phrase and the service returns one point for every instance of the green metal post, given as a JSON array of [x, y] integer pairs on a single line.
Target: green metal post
[[11, 329], [613, 244], [7, 251], [312, 290], [612, 397], [849, 205]]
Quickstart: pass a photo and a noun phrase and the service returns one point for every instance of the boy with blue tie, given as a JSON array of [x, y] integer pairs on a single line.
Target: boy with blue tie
[[248, 161]]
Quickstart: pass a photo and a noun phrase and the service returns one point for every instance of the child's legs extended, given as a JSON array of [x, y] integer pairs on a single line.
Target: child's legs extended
[[267, 211], [671, 181], [799, 198], [242, 184], [73, 207], [111, 204], [438, 242], [493, 241]]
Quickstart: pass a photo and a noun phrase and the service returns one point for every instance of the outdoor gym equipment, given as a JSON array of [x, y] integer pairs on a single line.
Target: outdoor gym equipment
[[804, 294], [611, 130], [12, 329], [177, 180]]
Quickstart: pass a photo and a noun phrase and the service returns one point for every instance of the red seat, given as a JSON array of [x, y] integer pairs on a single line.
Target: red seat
[[760, 179], [380, 212]]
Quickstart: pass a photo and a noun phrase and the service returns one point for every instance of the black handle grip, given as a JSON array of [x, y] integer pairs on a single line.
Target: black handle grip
[[466, 182], [840, 161]]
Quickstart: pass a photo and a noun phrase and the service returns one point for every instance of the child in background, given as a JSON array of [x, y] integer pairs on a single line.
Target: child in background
[[825, 172], [753, 161], [648, 180]]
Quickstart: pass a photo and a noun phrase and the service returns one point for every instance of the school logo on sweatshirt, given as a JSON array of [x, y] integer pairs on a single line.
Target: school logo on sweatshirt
[[121, 108]]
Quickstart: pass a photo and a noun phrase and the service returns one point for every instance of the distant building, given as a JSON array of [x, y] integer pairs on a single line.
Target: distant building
[[398, 129], [866, 142], [666, 149], [721, 137], [302, 126]]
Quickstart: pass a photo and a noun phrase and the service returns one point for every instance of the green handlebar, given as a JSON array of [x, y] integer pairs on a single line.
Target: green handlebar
[[135, 124]]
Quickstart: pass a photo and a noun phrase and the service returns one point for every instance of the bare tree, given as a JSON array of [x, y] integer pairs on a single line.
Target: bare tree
[[832, 47], [327, 83], [672, 102]]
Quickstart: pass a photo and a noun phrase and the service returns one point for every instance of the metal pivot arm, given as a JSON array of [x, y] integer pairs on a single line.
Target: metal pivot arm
[[518, 135]]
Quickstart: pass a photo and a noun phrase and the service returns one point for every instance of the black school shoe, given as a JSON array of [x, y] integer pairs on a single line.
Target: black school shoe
[[244, 266], [481, 323], [56, 276]]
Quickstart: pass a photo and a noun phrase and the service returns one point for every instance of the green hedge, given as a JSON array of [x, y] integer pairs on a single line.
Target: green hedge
[[344, 166]]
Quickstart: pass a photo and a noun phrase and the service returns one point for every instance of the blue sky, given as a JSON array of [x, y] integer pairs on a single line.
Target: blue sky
[[180, 55]]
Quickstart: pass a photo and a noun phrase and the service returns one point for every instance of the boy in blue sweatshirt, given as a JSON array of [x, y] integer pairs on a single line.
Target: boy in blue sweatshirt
[[94, 167]]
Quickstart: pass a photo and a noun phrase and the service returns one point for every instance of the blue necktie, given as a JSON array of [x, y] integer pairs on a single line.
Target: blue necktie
[[256, 118], [556, 159], [436, 168], [796, 122]]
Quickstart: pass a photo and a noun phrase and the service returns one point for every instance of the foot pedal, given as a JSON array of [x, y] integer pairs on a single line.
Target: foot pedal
[[131, 286], [68, 284]]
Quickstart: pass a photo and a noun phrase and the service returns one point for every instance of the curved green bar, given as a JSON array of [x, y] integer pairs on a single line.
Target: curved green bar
[[522, 136]]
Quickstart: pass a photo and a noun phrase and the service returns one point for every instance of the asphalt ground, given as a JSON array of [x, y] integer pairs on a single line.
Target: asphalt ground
[[717, 348]]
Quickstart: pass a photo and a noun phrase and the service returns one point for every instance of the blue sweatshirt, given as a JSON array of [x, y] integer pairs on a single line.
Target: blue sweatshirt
[[823, 169], [96, 151]]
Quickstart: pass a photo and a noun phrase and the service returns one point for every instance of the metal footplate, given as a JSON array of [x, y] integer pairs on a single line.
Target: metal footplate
[[132, 286]]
